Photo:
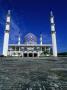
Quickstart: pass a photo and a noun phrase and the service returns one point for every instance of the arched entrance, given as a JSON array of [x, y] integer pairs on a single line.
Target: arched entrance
[[25, 55], [30, 54], [35, 55]]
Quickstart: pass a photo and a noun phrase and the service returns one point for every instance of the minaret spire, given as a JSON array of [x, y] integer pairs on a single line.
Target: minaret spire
[[19, 39], [6, 35], [41, 41], [51, 13], [53, 34]]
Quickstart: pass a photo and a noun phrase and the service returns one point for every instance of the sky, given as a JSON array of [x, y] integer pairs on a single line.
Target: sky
[[34, 16]]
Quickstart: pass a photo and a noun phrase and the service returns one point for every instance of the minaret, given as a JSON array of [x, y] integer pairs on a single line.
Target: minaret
[[41, 40], [6, 35], [19, 40], [53, 34]]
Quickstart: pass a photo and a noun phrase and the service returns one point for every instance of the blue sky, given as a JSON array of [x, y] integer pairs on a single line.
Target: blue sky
[[34, 16]]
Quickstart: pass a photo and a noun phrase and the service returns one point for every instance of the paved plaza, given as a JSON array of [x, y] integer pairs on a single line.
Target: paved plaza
[[46, 73]]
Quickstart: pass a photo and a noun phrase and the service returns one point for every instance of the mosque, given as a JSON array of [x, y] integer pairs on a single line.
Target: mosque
[[30, 47]]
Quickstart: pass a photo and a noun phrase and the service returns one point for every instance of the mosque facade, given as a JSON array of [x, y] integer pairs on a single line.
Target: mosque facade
[[30, 47]]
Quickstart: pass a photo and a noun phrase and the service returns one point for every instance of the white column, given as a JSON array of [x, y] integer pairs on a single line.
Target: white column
[[41, 40], [53, 34], [19, 40], [19, 43], [33, 54], [6, 35]]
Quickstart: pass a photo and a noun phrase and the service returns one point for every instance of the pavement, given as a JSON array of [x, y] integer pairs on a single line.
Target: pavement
[[44, 73]]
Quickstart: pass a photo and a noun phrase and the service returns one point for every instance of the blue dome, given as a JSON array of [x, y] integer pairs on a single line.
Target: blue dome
[[30, 39]]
